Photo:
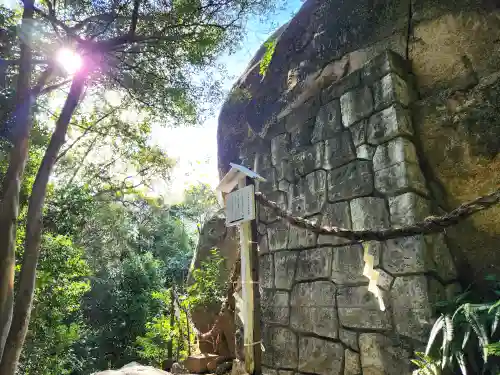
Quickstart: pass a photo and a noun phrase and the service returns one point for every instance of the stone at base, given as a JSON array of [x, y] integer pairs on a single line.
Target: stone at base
[[177, 368], [167, 365], [238, 368], [380, 356], [198, 364], [224, 368], [214, 363]]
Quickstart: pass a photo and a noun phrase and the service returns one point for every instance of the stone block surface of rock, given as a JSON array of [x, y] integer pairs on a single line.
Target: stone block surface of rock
[[359, 125]]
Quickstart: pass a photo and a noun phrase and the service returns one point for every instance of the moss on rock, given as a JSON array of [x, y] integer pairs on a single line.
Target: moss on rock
[[459, 136]]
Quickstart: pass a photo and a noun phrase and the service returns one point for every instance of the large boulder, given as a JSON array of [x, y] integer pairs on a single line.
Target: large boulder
[[459, 135], [215, 235], [371, 114], [199, 363], [453, 55]]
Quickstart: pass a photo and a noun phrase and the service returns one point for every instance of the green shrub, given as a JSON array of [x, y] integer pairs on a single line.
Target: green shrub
[[208, 288], [464, 338]]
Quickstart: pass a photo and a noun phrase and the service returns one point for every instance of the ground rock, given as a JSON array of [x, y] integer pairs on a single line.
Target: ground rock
[[224, 368], [134, 369], [238, 368], [178, 368]]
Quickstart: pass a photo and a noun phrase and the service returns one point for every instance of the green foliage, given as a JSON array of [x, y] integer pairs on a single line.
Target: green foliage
[[200, 202], [8, 21], [165, 235], [270, 46], [160, 332], [113, 158], [157, 64], [132, 254], [426, 365], [56, 322], [117, 308], [463, 339], [494, 349], [68, 209], [207, 287]]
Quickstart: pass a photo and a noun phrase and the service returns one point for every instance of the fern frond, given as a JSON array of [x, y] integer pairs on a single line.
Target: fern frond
[[422, 367], [449, 328], [459, 355], [479, 329], [436, 328], [466, 336], [496, 305], [458, 311], [496, 319], [447, 340]]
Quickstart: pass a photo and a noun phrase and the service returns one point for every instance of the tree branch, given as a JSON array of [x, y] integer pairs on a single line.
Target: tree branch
[[85, 132], [135, 17], [42, 80], [18, 61], [55, 22], [53, 87], [122, 188], [107, 17], [79, 166]]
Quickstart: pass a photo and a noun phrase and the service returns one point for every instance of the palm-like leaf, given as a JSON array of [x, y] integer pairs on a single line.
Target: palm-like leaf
[[447, 340], [471, 314], [496, 305], [438, 326], [466, 335], [496, 319], [461, 362]]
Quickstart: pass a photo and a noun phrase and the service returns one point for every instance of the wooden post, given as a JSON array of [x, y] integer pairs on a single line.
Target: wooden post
[[251, 295], [247, 289], [254, 261], [241, 210]]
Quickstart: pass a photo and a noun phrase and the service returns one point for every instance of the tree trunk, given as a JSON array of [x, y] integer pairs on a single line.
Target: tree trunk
[[27, 277], [188, 334], [11, 183], [179, 341], [170, 344]]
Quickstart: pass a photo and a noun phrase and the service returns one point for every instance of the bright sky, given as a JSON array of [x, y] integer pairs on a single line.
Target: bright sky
[[195, 148]]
